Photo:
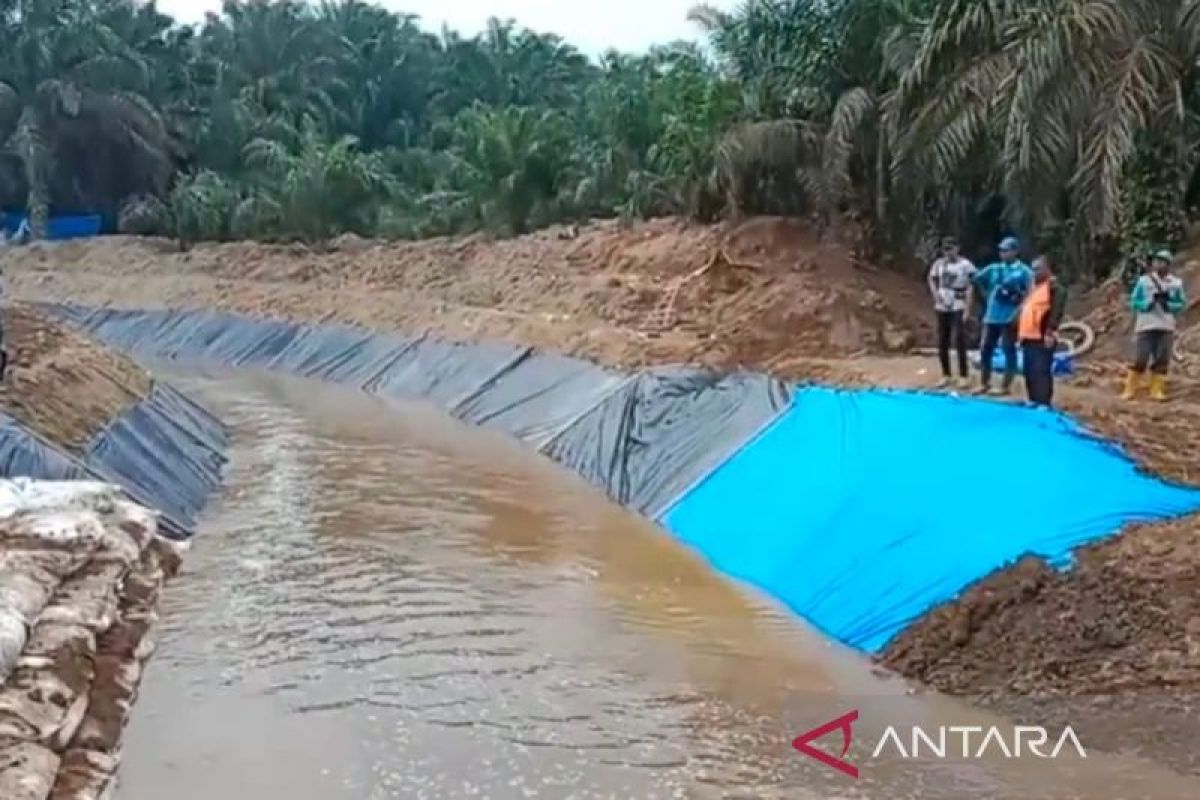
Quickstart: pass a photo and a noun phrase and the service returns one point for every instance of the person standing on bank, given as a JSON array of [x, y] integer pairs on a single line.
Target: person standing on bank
[[1158, 299], [1004, 285], [950, 278], [1037, 329]]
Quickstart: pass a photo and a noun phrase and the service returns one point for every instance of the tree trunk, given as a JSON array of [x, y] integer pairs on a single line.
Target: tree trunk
[[36, 159], [39, 211]]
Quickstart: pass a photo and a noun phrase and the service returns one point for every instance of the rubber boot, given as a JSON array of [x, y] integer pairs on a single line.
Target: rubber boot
[[1131, 384], [1158, 388]]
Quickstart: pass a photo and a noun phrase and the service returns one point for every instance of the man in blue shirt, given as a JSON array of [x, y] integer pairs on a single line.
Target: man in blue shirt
[[1004, 284]]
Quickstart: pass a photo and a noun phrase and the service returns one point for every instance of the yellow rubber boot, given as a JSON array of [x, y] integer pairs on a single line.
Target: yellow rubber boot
[[1158, 388], [1131, 384]]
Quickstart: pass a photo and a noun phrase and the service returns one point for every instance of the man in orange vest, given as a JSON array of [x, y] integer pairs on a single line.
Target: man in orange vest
[[1037, 330]]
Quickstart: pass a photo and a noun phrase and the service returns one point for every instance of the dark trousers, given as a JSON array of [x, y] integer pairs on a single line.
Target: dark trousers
[[1153, 349], [1005, 335], [1039, 372], [950, 329]]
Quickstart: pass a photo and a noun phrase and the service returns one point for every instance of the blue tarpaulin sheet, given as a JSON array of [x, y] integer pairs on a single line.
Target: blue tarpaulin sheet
[[863, 510], [859, 510], [62, 227]]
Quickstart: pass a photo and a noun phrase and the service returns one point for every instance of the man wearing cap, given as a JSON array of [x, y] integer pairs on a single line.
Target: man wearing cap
[[1158, 299], [1004, 285], [949, 280]]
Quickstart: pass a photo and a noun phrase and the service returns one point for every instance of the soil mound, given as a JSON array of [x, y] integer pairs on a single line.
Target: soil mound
[[738, 293], [1111, 647], [62, 385]]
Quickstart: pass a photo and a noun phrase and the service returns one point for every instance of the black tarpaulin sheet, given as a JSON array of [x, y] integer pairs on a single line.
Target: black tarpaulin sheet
[[199, 430], [446, 372], [659, 433], [644, 438], [539, 398], [259, 345], [153, 332], [22, 454], [164, 452], [249, 343], [342, 355]]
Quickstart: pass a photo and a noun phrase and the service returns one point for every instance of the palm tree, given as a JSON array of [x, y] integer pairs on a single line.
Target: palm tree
[[385, 67], [1073, 99], [513, 163], [70, 110], [316, 189]]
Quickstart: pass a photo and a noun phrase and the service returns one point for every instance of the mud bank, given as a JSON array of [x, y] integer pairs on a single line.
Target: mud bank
[[71, 408], [81, 567]]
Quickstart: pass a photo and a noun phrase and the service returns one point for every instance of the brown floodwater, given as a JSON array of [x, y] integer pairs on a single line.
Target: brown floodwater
[[383, 603]]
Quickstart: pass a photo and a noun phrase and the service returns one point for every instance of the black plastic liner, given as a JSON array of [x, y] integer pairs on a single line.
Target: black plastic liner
[[24, 453], [165, 452], [650, 440], [539, 397], [644, 439]]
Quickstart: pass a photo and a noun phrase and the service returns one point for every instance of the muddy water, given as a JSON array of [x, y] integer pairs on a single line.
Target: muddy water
[[384, 604]]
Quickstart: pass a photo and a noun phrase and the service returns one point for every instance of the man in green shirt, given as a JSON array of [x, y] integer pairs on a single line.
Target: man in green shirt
[[1157, 301]]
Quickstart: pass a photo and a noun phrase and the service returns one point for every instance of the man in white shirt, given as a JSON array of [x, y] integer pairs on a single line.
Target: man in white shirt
[[950, 280]]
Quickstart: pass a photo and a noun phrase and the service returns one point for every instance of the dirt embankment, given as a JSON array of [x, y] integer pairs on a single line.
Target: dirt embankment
[[62, 385], [773, 298], [771, 290]]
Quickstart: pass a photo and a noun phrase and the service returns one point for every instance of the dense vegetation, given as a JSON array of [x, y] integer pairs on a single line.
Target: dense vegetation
[[1074, 121]]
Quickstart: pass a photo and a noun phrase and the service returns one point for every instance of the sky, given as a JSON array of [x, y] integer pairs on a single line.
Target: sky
[[591, 25]]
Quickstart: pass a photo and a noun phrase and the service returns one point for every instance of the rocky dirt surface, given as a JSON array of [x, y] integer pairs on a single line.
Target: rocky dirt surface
[[62, 385], [1124, 624], [766, 289]]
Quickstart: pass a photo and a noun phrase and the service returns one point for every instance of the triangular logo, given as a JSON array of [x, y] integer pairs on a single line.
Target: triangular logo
[[803, 743]]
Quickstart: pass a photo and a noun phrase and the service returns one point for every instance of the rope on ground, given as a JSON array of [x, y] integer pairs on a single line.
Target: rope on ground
[[1084, 331]]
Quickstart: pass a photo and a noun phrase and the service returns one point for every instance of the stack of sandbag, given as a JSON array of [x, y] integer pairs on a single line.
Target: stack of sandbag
[[81, 568]]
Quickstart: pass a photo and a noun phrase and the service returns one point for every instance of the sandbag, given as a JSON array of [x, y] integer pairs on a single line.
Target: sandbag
[[27, 770], [25, 496], [85, 775]]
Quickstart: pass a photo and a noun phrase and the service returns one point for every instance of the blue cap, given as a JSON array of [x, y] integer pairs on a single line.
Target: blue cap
[[1009, 243], [1163, 255]]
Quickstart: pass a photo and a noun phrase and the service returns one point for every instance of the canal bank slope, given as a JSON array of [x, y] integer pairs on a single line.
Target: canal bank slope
[[1119, 624], [81, 563]]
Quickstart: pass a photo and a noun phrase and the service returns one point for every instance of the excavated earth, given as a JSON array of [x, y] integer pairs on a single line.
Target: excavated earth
[[61, 385], [1115, 638]]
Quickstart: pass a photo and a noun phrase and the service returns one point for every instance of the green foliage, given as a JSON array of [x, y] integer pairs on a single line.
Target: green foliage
[[1072, 121], [202, 207]]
